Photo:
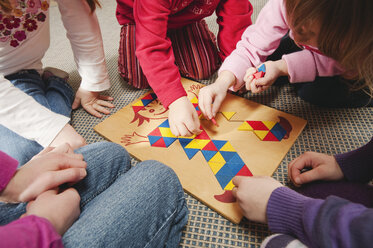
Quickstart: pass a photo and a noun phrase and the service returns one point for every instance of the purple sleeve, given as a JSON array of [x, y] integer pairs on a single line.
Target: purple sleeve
[[357, 165], [30, 231], [8, 167], [333, 222]]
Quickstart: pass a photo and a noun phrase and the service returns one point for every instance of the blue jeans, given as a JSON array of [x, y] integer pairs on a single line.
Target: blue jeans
[[54, 93], [324, 91], [142, 206]]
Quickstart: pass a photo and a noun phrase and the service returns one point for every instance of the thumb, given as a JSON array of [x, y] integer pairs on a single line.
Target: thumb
[[308, 176], [76, 102], [261, 81]]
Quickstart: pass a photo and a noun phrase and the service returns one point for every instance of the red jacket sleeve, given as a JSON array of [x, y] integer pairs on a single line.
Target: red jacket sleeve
[[154, 50], [234, 16], [30, 231]]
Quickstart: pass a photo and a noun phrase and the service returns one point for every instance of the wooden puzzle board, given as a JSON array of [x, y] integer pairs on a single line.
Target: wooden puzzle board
[[130, 130]]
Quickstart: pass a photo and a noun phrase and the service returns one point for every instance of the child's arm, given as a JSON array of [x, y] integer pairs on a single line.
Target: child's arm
[[26, 117], [84, 34], [233, 18]]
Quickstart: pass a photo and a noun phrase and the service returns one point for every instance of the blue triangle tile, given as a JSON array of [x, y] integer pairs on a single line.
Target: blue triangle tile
[[225, 170], [208, 154], [184, 142], [262, 68], [223, 180], [278, 131], [227, 155], [190, 152], [169, 140], [165, 124], [153, 139], [219, 143], [146, 101], [236, 159], [235, 168]]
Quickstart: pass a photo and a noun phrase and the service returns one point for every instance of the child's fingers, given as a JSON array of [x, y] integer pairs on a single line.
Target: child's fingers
[[216, 105], [307, 176], [204, 101], [254, 88]]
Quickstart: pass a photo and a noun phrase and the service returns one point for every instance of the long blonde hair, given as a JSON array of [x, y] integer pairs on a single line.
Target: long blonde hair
[[6, 6], [346, 33]]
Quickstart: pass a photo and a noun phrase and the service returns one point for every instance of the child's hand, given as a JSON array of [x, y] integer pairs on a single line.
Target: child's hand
[[274, 69], [61, 209], [47, 170], [183, 118], [70, 136], [211, 97], [252, 194], [92, 102], [323, 167]]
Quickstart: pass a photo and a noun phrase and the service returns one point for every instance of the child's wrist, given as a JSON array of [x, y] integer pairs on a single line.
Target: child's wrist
[[226, 79], [282, 67]]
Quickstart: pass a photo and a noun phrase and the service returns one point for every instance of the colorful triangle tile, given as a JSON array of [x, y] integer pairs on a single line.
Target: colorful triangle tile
[[137, 108], [225, 170], [194, 100], [155, 132], [159, 143], [257, 125], [278, 131], [258, 74], [219, 143], [217, 158], [166, 132], [261, 134], [153, 139], [190, 152], [229, 186], [227, 147], [202, 135], [269, 124], [223, 179], [235, 167], [208, 154], [270, 137], [197, 144], [169, 140], [165, 124], [184, 142], [150, 96], [236, 159], [138, 103], [210, 146], [245, 127], [228, 115], [227, 155], [215, 166], [146, 101], [244, 172], [262, 68]]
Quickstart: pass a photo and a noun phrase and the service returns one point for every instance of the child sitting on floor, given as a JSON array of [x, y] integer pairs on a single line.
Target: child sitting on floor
[[336, 44], [35, 103], [332, 222], [161, 38]]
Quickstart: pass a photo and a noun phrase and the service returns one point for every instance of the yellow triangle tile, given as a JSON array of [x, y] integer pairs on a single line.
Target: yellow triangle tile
[[229, 186], [261, 134], [228, 115], [269, 124], [217, 158], [227, 147], [187, 137], [216, 166], [197, 144], [138, 103], [194, 100], [245, 127], [166, 132]]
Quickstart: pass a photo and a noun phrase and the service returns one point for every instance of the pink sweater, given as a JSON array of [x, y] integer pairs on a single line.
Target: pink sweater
[[263, 38], [30, 231]]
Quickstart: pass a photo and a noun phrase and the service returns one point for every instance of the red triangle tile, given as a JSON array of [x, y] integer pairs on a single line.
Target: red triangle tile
[[160, 143], [244, 172], [155, 132], [210, 147], [270, 137]]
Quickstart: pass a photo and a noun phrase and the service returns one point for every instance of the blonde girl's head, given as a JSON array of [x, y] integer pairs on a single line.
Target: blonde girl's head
[[342, 29], [6, 5]]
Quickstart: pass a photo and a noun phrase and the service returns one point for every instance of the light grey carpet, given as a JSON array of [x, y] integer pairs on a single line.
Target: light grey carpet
[[328, 130]]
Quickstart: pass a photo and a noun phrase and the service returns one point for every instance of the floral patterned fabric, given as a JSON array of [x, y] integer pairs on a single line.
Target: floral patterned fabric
[[24, 19]]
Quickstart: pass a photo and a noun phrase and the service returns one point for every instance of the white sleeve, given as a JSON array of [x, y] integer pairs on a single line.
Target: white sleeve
[[20, 113], [84, 33]]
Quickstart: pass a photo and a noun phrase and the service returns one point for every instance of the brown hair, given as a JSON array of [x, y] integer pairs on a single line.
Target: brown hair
[[345, 33], [6, 6]]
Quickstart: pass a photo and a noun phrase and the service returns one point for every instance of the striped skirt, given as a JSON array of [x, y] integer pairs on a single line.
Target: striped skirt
[[194, 47]]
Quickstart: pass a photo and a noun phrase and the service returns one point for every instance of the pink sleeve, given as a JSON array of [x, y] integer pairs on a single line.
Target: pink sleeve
[[233, 18], [154, 50], [30, 231], [305, 65], [258, 41], [8, 168]]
